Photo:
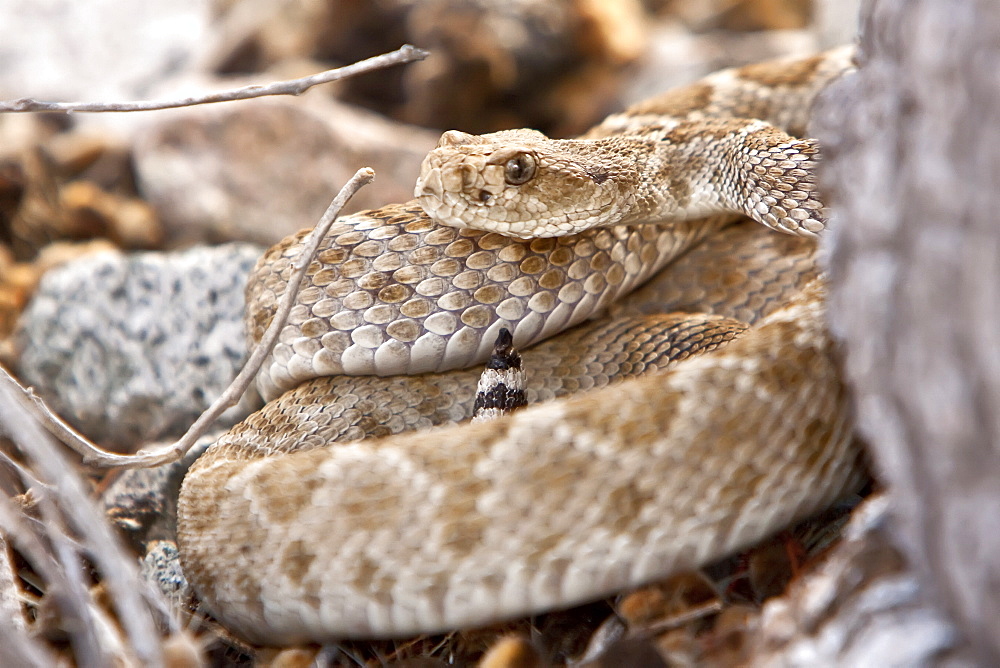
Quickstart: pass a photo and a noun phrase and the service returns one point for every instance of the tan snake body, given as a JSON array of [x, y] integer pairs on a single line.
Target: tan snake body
[[286, 540]]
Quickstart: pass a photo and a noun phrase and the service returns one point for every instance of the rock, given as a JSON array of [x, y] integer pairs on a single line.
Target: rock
[[863, 606], [555, 65], [743, 16], [676, 56], [131, 348], [836, 21], [99, 50], [47, 194], [261, 170], [19, 280]]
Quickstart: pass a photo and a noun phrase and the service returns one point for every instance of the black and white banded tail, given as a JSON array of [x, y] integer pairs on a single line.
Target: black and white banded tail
[[501, 385]]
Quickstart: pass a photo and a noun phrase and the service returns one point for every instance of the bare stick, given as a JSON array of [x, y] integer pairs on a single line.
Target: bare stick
[[94, 454], [405, 54], [17, 645], [119, 571]]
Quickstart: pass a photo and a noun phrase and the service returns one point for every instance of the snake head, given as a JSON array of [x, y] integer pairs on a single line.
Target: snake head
[[522, 184]]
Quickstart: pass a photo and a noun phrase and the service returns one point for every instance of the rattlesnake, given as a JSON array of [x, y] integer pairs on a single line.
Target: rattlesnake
[[286, 540]]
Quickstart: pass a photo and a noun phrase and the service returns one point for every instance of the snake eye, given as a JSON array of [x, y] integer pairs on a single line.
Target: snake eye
[[519, 169]]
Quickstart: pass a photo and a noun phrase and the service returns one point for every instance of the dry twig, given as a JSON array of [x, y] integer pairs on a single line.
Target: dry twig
[[405, 54], [59, 569]]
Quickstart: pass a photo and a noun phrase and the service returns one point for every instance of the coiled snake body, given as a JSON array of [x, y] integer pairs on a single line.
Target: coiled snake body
[[288, 540]]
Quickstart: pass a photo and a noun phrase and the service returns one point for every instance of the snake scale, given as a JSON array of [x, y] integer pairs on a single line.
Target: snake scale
[[408, 529]]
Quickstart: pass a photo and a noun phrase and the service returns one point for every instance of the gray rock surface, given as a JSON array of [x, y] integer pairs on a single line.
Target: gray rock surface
[[99, 49], [863, 606], [131, 348], [265, 169]]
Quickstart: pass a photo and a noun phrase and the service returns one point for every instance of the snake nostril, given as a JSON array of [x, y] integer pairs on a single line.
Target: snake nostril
[[484, 196]]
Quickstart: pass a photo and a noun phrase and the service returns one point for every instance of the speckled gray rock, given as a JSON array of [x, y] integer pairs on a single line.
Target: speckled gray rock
[[131, 348]]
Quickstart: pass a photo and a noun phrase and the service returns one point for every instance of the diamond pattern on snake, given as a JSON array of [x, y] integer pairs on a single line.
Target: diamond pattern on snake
[[350, 505]]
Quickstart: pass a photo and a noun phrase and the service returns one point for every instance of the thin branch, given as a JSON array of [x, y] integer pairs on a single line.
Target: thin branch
[[17, 644], [119, 570], [405, 54], [87, 648], [94, 454]]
